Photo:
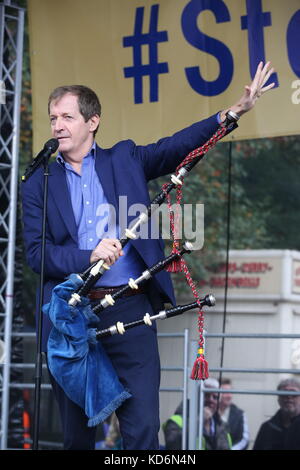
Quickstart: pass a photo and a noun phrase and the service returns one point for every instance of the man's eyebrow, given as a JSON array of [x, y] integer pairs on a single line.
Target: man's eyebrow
[[63, 114]]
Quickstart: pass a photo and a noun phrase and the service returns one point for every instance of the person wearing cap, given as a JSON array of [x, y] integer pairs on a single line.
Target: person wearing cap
[[215, 432]]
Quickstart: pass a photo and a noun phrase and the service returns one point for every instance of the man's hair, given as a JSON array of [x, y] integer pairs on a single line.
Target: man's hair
[[88, 102], [289, 383], [226, 381]]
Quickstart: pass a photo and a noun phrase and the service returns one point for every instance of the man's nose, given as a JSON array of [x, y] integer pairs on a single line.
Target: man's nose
[[210, 397], [58, 125]]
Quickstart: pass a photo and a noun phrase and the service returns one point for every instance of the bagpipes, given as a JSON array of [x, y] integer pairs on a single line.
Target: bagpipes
[[97, 269], [145, 276], [173, 263], [120, 328]]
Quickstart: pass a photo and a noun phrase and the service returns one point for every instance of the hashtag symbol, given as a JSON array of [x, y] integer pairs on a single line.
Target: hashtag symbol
[[153, 68]]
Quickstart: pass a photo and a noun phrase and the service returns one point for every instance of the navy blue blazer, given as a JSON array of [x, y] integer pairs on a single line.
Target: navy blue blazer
[[123, 169]]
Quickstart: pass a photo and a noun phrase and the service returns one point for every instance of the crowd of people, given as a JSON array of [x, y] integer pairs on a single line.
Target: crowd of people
[[225, 425]]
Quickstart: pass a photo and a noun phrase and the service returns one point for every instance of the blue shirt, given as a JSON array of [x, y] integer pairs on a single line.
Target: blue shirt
[[95, 219]]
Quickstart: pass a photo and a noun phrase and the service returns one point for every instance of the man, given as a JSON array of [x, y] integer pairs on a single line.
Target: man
[[272, 434], [83, 179], [234, 417], [215, 432]]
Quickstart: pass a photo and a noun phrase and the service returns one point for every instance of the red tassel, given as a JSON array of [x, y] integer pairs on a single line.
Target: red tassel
[[174, 267], [200, 368]]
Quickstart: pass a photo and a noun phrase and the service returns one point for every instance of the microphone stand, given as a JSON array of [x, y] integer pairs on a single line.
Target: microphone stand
[[39, 358]]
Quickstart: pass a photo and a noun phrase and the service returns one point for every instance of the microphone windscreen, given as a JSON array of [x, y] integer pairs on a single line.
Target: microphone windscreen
[[52, 144]]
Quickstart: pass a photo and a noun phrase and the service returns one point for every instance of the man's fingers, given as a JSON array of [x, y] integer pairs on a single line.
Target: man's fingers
[[265, 67], [109, 249], [261, 77], [257, 87], [114, 243], [263, 73], [266, 88], [266, 78], [256, 79], [109, 257]]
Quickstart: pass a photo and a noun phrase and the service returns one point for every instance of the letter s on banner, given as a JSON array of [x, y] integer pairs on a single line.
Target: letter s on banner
[[207, 44]]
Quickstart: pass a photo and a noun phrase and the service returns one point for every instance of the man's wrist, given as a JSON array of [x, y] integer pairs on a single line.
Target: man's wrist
[[236, 109]]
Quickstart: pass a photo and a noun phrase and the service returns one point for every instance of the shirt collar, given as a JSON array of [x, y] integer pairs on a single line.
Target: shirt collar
[[91, 154]]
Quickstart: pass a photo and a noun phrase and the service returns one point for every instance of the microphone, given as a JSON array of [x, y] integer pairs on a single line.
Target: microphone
[[49, 148]]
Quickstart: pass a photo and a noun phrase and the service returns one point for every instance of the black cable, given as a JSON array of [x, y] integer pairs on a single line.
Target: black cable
[[228, 221]]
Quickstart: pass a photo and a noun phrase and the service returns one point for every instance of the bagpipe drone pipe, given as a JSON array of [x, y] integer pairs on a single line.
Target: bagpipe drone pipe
[[120, 328]]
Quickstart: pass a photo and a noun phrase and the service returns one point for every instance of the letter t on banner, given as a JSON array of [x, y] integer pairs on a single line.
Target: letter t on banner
[[255, 21]]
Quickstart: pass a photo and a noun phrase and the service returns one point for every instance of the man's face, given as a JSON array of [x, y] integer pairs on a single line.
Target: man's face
[[290, 404], [226, 398], [211, 401], [69, 126]]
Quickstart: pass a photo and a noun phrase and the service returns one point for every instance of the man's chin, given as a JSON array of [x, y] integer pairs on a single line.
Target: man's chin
[[290, 410], [64, 145]]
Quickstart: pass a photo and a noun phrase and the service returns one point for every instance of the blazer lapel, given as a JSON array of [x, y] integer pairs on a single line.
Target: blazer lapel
[[59, 190], [104, 170]]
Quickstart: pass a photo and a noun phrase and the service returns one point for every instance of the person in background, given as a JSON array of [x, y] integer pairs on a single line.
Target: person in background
[[273, 434], [215, 432], [216, 435], [234, 417], [292, 441]]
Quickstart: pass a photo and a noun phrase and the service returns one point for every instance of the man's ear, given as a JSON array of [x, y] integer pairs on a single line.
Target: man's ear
[[94, 122]]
